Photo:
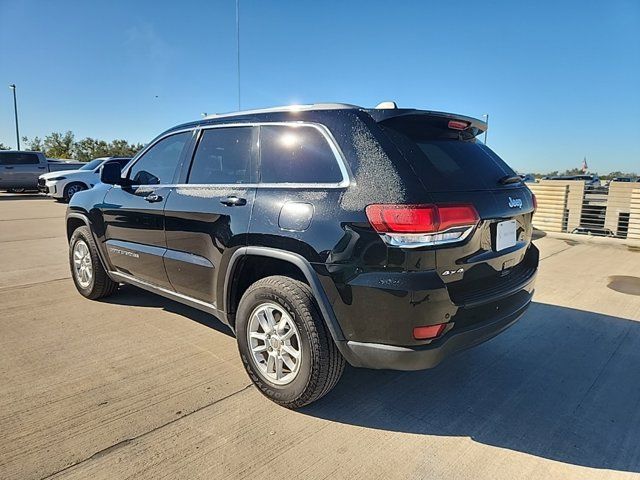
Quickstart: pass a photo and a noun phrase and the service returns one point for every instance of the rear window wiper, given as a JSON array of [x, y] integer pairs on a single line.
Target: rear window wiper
[[509, 179]]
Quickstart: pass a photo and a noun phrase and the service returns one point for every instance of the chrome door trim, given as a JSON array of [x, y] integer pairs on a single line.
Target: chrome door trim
[[338, 155]]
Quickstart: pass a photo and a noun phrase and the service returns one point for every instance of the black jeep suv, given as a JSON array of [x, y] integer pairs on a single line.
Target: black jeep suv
[[386, 237]]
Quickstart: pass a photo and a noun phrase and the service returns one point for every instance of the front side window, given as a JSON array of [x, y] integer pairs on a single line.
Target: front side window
[[296, 154], [224, 156], [158, 164], [18, 158]]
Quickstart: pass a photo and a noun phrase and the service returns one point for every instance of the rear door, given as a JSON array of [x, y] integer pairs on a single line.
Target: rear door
[[133, 215], [20, 169], [455, 170], [207, 215]]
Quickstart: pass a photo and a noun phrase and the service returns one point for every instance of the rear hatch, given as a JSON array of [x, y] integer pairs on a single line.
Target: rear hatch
[[456, 168]]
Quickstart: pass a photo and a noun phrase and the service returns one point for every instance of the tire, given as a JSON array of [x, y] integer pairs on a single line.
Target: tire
[[97, 284], [320, 364], [71, 189]]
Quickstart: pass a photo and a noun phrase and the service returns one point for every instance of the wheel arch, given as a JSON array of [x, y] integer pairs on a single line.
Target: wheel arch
[[74, 220], [65, 189], [299, 263]]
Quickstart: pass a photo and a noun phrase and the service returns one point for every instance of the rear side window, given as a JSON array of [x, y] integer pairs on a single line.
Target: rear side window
[[18, 158], [296, 154], [449, 164], [224, 156]]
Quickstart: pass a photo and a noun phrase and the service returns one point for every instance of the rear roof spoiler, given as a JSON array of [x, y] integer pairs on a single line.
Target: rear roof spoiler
[[475, 128]]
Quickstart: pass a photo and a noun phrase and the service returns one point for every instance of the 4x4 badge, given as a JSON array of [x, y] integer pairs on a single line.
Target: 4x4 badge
[[452, 272], [515, 202]]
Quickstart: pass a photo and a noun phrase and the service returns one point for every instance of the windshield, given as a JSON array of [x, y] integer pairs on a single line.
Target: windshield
[[92, 164]]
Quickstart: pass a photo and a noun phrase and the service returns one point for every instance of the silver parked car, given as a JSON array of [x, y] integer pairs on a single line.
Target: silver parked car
[[19, 170]]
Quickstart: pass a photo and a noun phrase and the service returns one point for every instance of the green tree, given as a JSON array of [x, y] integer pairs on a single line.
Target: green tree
[[90, 148], [3, 146], [122, 148], [35, 145], [59, 145]]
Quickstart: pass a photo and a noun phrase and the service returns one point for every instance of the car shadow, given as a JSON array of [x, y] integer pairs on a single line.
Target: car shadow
[[537, 234], [23, 196], [137, 297], [561, 384]]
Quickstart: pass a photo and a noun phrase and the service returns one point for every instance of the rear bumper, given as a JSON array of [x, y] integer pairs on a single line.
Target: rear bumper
[[380, 356]]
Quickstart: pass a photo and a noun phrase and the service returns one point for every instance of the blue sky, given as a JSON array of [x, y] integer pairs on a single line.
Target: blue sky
[[560, 79]]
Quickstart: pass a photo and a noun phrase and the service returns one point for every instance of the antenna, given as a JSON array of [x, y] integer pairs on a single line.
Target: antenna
[[238, 46]]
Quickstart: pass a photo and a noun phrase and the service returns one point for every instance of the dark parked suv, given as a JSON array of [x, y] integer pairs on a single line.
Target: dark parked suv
[[386, 238]]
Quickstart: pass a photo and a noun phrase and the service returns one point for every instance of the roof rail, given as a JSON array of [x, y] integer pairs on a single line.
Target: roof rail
[[287, 108]]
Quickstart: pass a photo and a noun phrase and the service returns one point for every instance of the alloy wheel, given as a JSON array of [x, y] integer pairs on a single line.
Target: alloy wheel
[[275, 344], [82, 265]]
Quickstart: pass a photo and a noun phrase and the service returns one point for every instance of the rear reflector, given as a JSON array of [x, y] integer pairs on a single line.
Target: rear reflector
[[428, 331], [457, 125]]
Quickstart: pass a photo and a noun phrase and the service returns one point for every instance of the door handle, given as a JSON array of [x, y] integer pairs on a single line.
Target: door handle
[[233, 201], [40, 168], [8, 168], [153, 197]]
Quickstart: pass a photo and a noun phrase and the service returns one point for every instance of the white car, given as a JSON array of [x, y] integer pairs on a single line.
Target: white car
[[64, 184]]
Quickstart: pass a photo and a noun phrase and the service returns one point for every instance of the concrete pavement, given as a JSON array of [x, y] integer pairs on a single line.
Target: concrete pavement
[[137, 386]]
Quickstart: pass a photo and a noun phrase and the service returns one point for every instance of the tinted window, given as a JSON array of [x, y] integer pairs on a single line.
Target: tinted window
[[296, 155], [224, 155], [446, 164], [159, 163], [18, 158], [92, 164], [121, 161]]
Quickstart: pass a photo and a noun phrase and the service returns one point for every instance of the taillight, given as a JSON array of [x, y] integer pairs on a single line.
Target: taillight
[[403, 218], [457, 125], [422, 225], [535, 202]]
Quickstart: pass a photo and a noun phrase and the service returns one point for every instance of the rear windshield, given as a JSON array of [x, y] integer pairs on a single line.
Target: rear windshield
[[449, 164], [18, 158], [92, 164]]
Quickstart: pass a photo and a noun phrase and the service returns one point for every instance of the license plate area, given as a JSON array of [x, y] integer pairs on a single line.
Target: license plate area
[[506, 234]]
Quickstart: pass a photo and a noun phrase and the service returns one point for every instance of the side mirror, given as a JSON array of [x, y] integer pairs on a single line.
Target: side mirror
[[111, 174]]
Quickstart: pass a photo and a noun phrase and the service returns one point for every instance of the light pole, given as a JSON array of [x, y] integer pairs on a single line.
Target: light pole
[[15, 111], [486, 115]]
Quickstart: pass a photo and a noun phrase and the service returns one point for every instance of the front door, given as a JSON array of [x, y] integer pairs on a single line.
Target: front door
[[134, 215], [207, 216]]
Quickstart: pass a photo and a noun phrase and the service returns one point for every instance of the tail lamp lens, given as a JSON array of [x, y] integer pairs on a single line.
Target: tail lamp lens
[[420, 218], [457, 125], [422, 225], [403, 218]]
